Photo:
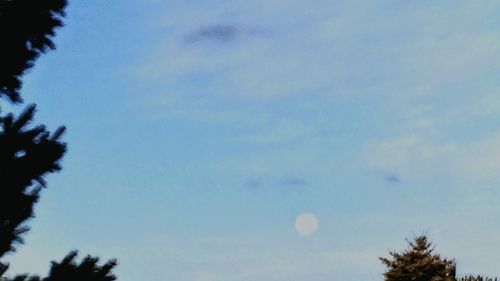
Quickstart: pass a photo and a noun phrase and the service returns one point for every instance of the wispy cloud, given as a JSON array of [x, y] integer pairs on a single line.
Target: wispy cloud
[[407, 51], [392, 178], [433, 158], [295, 182], [222, 33]]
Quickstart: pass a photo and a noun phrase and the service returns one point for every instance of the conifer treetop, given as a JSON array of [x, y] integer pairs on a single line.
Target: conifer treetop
[[418, 263]]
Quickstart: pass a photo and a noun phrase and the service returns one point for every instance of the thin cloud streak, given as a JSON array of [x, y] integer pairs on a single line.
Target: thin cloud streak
[[295, 182], [392, 178], [222, 33]]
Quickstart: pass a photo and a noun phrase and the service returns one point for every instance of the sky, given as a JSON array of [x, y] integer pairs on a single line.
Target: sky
[[198, 132]]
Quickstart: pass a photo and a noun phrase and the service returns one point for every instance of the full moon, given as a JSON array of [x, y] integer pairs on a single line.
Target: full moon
[[306, 224]]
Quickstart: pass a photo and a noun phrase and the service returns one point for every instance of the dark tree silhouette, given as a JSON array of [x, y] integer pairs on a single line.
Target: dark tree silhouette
[[29, 152], [88, 269], [26, 155], [419, 263], [68, 269], [477, 278], [26, 29]]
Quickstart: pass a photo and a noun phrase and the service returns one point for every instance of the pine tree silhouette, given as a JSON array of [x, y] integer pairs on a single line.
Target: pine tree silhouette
[[26, 30], [68, 269], [26, 155], [419, 263], [477, 278], [88, 269], [29, 152]]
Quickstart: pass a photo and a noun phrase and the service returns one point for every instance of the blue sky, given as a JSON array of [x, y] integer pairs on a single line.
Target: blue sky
[[199, 131]]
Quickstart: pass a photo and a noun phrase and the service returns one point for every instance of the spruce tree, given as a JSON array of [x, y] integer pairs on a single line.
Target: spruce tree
[[26, 31], [29, 152], [26, 155], [477, 278], [419, 263]]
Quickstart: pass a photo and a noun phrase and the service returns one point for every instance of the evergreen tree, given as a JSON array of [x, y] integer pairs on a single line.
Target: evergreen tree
[[29, 152], [68, 269], [477, 278], [87, 269], [26, 31], [419, 263], [26, 155]]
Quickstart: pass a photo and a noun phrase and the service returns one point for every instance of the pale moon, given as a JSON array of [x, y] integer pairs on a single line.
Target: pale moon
[[306, 224]]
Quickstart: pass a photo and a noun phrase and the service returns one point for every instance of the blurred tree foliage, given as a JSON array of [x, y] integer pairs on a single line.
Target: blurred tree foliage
[[477, 278]]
